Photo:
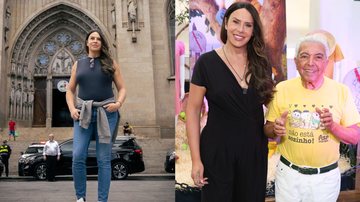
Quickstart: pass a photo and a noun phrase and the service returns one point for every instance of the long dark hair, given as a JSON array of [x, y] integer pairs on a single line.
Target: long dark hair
[[259, 66], [106, 61]]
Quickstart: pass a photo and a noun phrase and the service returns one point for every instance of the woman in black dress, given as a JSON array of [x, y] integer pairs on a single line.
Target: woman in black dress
[[229, 158]]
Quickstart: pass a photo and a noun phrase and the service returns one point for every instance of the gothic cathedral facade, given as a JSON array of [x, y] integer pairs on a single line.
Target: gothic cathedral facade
[[42, 39]]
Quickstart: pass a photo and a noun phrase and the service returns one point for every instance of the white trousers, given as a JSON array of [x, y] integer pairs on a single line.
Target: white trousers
[[292, 186]]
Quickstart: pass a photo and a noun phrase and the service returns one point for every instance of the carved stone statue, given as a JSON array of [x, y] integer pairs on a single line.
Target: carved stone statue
[[30, 102], [18, 96], [113, 14], [7, 24], [12, 99], [132, 9], [19, 69], [113, 17], [7, 15], [25, 103], [13, 68], [25, 71]]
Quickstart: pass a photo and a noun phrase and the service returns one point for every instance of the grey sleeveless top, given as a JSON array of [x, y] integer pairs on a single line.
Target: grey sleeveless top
[[94, 84]]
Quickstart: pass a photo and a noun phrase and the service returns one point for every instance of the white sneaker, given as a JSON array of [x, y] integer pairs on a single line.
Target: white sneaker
[[80, 200]]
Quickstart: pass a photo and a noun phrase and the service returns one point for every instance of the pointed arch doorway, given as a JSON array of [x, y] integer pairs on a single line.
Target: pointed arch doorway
[[53, 61]]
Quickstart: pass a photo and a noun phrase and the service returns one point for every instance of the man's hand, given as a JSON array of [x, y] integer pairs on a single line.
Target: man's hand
[[326, 119]]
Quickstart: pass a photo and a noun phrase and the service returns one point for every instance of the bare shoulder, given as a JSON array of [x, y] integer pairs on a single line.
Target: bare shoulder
[[218, 50]]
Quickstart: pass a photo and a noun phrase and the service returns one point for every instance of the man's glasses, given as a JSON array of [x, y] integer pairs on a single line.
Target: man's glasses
[[92, 63]]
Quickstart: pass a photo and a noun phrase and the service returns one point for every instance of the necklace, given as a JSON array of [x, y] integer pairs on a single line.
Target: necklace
[[241, 79], [244, 90]]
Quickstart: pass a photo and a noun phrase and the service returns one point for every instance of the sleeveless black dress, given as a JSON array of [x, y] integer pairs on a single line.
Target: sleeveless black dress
[[233, 146]]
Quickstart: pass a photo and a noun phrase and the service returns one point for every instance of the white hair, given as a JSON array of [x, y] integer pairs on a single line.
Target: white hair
[[313, 38]]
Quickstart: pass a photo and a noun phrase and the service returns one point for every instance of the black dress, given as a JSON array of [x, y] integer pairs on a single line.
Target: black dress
[[233, 146]]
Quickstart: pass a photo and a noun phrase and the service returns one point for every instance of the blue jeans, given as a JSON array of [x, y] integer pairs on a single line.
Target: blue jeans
[[82, 139]]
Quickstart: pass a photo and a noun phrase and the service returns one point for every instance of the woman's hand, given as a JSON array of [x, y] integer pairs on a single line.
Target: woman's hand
[[197, 174], [112, 107], [75, 114]]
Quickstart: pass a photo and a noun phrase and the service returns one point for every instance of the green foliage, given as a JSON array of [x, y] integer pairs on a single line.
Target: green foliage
[[349, 151], [183, 16]]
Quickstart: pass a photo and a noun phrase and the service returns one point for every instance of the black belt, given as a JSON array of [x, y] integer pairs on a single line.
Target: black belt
[[309, 171]]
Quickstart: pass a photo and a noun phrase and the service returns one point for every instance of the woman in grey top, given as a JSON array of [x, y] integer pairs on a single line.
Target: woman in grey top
[[95, 112]]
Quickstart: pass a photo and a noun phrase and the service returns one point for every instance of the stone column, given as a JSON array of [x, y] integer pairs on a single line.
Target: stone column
[[48, 101], [12, 99], [24, 101], [4, 85], [18, 96], [31, 102]]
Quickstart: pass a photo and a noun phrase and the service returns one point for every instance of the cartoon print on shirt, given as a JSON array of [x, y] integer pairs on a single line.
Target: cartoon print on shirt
[[315, 120], [305, 125], [305, 117], [295, 119]]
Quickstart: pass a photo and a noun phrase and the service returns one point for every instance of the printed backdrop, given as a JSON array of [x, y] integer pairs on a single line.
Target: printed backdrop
[[205, 25]]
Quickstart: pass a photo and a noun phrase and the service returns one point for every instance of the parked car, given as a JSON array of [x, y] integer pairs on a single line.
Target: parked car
[[127, 158], [169, 164]]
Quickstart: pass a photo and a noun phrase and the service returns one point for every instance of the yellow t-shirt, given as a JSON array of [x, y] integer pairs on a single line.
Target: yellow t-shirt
[[307, 142]]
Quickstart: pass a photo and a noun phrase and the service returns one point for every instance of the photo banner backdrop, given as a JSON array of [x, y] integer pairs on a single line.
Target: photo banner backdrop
[[206, 17]]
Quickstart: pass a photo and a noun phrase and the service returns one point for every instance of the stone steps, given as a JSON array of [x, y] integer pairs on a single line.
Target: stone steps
[[154, 153], [154, 149]]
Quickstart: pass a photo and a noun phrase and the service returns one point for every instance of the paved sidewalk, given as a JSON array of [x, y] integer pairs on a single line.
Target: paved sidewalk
[[140, 188], [169, 176]]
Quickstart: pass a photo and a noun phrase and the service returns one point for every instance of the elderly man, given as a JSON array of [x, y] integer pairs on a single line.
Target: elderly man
[[311, 114], [51, 155]]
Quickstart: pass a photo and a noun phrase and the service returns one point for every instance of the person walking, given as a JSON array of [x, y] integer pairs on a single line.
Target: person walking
[[229, 156], [5, 152], [51, 153], [95, 111], [12, 129]]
